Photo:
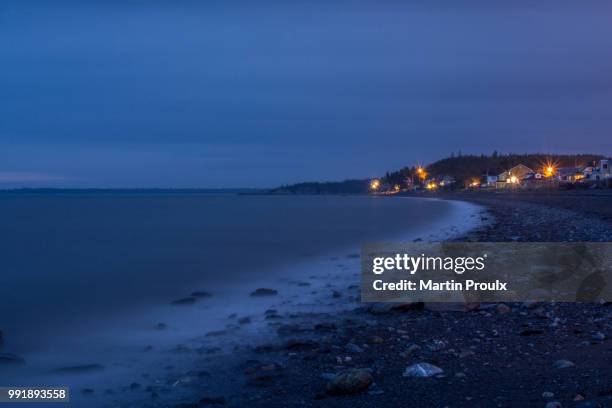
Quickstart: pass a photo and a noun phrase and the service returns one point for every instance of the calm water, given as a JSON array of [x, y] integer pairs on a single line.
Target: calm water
[[74, 263]]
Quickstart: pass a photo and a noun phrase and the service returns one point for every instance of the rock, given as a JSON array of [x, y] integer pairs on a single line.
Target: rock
[[422, 370], [184, 301], [161, 326], [547, 394], [244, 320], [200, 294], [503, 308], [436, 345], [530, 332], [554, 404], [379, 308], [352, 381], [598, 336], [264, 292], [353, 348], [300, 345], [8, 358], [85, 368], [336, 294], [376, 340], [215, 333], [325, 327], [559, 364]]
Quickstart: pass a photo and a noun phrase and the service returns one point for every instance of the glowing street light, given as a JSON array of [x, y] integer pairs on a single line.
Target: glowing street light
[[549, 171], [421, 172], [374, 184]]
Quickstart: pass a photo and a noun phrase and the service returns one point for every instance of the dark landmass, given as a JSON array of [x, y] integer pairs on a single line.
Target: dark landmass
[[339, 187], [172, 191], [545, 355], [463, 168]]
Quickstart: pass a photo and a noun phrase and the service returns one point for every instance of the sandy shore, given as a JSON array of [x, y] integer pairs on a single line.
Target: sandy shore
[[499, 355]]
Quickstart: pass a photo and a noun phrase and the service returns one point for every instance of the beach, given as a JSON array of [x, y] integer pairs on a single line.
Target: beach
[[488, 355]]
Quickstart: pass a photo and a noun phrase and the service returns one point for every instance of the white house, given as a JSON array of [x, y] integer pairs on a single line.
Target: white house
[[490, 180], [599, 172]]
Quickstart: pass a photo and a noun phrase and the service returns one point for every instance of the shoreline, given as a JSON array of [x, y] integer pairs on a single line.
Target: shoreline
[[518, 345], [163, 360]]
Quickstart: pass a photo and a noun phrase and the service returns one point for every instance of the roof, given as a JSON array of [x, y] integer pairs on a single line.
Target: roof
[[518, 169], [567, 171]]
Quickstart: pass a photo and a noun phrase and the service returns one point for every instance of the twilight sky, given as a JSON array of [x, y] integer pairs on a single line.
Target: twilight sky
[[237, 93]]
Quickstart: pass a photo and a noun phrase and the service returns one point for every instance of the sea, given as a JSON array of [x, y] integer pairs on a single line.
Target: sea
[[96, 287]]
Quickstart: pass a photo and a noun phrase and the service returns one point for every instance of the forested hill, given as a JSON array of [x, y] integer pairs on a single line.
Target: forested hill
[[466, 167], [461, 167], [337, 187]]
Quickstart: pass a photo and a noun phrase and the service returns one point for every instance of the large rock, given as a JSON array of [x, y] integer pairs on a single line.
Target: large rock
[[560, 364], [352, 381], [422, 370], [264, 292]]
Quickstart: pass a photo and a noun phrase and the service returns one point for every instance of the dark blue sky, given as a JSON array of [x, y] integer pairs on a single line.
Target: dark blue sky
[[241, 93]]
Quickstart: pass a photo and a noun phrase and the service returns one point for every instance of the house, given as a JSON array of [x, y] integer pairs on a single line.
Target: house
[[446, 181], [489, 181], [597, 171], [568, 174], [513, 176]]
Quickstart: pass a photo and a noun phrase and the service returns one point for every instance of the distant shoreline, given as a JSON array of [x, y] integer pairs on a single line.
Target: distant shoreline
[[131, 191]]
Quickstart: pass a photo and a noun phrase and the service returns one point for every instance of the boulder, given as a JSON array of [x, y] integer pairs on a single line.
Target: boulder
[[422, 370], [352, 381]]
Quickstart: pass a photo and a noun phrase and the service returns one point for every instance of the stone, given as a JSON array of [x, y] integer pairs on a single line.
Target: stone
[[503, 308], [422, 370], [264, 292], [559, 364], [353, 348], [211, 401], [376, 340], [598, 336], [352, 381], [554, 404], [85, 368], [436, 345], [184, 301]]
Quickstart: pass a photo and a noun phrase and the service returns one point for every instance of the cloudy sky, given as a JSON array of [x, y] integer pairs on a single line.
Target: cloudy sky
[[237, 93]]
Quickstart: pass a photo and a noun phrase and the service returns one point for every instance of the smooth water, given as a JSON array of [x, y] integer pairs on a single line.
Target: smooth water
[[86, 274]]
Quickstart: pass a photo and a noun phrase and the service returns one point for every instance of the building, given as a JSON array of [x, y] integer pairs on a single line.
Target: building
[[489, 181], [568, 174], [513, 176], [598, 171]]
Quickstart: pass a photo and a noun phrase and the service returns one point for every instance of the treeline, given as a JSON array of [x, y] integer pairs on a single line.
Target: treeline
[[337, 187], [466, 167]]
